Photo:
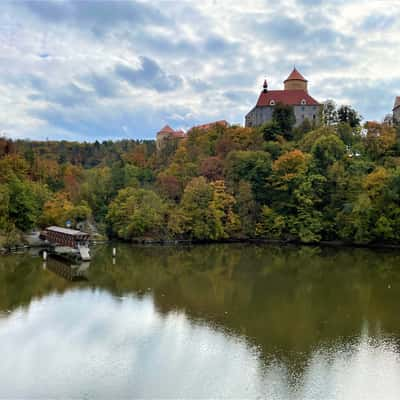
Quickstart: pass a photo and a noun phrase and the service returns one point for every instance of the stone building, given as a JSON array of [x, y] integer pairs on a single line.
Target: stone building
[[167, 133], [396, 110], [210, 125], [295, 93]]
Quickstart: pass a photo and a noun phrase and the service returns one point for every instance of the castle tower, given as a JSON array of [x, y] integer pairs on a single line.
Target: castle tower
[[295, 94], [295, 81]]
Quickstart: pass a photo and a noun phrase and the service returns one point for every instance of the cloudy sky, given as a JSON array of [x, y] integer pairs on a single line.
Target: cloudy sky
[[87, 70]]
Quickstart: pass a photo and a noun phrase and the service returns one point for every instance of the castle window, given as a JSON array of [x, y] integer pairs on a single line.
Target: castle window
[[302, 116], [303, 102], [313, 117], [272, 102], [302, 108]]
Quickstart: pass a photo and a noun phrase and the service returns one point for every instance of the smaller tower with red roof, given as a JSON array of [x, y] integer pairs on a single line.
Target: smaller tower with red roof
[[167, 133]]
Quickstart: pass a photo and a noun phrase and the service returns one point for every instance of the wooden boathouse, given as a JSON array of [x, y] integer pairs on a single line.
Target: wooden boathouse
[[65, 237]]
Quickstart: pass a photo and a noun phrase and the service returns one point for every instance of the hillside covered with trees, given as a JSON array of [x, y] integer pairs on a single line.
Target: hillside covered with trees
[[338, 181]]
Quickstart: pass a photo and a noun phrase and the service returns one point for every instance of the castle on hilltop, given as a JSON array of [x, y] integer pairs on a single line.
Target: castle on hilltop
[[295, 93]]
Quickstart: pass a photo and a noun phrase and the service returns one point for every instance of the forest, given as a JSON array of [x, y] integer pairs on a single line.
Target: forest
[[336, 181]]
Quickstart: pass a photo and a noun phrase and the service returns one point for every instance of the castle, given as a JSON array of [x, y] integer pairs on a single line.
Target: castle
[[295, 93], [167, 133], [396, 110]]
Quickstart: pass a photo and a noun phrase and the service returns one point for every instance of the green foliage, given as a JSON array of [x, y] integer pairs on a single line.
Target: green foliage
[[379, 141], [335, 182], [284, 117], [4, 206], [59, 209], [271, 225], [348, 115], [326, 150], [208, 211], [251, 166], [302, 129], [97, 190], [23, 208], [136, 213], [198, 222], [247, 209], [307, 141], [270, 130], [329, 113]]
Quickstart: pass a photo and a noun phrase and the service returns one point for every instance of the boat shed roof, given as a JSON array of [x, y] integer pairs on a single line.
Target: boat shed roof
[[66, 231]]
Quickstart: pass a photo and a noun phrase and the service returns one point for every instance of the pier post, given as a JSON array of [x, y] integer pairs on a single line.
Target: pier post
[[44, 255], [114, 252]]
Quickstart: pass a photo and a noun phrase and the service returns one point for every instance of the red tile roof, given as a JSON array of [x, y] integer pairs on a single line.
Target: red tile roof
[[396, 103], [295, 76], [210, 125], [166, 129], [290, 97], [179, 134], [168, 132]]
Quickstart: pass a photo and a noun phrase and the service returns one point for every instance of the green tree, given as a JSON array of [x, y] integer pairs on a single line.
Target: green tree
[[136, 213], [246, 208], [326, 150], [97, 190], [283, 115], [208, 211], [271, 224], [227, 222], [349, 115], [251, 166], [329, 113], [23, 204], [270, 130], [4, 207], [199, 221]]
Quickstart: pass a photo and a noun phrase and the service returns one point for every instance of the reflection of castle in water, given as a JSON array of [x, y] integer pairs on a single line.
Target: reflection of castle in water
[[70, 272]]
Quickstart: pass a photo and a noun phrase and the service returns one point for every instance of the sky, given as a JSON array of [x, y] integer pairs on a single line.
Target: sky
[[99, 70]]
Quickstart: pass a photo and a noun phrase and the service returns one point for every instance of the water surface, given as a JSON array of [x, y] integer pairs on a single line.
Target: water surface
[[233, 321]]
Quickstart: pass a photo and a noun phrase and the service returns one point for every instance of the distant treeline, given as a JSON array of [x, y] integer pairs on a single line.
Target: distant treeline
[[333, 181]]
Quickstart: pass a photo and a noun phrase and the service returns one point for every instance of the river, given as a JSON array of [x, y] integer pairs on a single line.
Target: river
[[207, 321]]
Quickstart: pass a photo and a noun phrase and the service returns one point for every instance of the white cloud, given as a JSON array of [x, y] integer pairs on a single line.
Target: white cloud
[[59, 61]]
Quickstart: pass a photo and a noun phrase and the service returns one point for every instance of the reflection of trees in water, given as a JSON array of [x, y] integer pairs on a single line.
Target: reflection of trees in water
[[22, 279], [283, 299]]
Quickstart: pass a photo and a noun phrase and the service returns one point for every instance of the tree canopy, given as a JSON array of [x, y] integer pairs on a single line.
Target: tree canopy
[[336, 181]]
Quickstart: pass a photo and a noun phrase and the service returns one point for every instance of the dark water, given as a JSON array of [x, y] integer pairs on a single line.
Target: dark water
[[233, 321]]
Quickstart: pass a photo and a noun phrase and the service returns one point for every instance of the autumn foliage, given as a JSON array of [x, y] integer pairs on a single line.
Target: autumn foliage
[[335, 182]]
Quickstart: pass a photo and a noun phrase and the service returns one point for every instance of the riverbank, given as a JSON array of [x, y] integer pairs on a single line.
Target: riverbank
[[332, 243], [176, 242]]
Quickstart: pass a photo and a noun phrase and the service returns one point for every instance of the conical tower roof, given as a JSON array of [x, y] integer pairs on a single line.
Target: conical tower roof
[[295, 76], [167, 129]]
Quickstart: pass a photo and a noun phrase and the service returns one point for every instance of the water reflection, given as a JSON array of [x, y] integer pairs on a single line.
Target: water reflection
[[70, 272], [102, 347], [210, 321]]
